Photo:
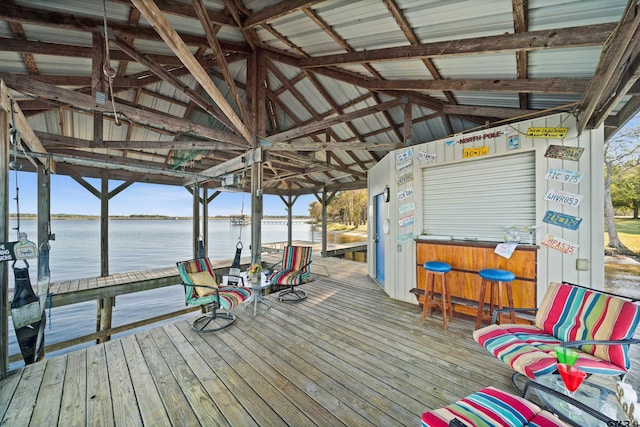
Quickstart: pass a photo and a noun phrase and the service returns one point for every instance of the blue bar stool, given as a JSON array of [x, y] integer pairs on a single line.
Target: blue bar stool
[[433, 269], [495, 277]]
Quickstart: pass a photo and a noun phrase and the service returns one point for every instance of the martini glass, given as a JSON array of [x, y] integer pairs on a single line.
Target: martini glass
[[566, 356], [571, 376]]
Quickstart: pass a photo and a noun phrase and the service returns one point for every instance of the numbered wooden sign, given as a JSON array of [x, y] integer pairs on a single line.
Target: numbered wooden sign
[[404, 238], [405, 193], [426, 157], [475, 152], [407, 220], [566, 176], [564, 153], [559, 244], [563, 197], [563, 220]]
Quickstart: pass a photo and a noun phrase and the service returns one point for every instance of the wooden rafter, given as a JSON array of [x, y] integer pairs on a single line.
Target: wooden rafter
[[589, 35], [153, 14]]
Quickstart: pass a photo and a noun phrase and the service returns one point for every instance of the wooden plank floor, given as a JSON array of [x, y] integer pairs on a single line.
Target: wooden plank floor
[[347, 355]]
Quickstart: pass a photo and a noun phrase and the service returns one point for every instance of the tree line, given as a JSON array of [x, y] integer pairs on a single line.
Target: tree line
[[347, 207]]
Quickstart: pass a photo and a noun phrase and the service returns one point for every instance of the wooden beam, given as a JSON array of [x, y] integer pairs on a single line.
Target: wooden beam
[[162, 121], [588, 35], [43, 18], [275, 11], [480, 111], [177, 8], [180, 48], [27, 135], [219, 55], [165, 75], [550, 85], [236, 164], [297, 146], [610, 61]]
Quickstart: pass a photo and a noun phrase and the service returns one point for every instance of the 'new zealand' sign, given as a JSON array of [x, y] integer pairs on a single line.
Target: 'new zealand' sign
[[565, 221]]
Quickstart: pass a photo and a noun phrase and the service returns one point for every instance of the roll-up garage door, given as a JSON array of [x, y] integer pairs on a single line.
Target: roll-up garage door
[[477, 199]]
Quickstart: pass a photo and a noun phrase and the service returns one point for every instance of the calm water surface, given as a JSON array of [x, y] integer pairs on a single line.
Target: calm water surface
[[133, 245]]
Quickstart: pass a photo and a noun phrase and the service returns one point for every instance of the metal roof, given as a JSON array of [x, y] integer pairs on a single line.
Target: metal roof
[[325, 86]]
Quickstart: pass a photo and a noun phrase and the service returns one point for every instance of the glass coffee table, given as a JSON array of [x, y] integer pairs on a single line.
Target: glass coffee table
[[593, 404]]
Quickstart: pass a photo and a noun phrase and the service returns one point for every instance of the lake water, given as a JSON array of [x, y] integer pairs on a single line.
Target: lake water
[[133, 245]]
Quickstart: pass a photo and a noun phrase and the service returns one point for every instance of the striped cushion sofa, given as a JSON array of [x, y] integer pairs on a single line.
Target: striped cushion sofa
[[598, 325], [491, 407]]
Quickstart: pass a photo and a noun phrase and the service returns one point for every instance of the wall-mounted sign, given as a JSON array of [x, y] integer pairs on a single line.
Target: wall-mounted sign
[[564, 153], [475, 152], [404, 238], [407, 164], [404, 155], [563, 220], [407, 177], [559, 244], [426, 157], [476, 138], [405, 193], [563, 197], [513, 141], [547, 132], [406, 207], [566, 176], [407, 220]]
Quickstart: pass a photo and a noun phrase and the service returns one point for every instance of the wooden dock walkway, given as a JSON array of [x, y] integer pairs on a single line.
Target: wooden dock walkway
[[347, 355]]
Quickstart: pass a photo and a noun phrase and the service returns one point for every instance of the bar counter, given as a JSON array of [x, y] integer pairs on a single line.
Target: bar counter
[[467, 258]]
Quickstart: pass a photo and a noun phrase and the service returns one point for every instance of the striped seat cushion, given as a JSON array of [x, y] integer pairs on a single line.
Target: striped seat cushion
[[491, 407], [567, 313], [229, 296], [572, 313], [530, 351], [295, 266]]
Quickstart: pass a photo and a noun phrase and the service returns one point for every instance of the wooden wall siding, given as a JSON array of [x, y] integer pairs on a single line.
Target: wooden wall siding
[[466, 260], [551, 265]]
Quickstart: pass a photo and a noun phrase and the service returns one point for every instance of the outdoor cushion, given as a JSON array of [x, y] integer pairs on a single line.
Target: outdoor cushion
[[491, 407], [203, 278], [567, 313], [295, 266]]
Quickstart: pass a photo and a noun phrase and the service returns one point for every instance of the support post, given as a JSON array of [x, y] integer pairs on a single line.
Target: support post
[[195, 221], [205, 221], [105, 305], [4, 236], [256, 213], [44, 204], [324, 204]]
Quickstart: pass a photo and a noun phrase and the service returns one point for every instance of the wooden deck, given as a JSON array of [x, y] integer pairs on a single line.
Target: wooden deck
[[347, 355]]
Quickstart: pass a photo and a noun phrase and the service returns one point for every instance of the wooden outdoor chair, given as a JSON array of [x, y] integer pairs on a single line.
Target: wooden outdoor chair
[[295, 271], [201, 288]]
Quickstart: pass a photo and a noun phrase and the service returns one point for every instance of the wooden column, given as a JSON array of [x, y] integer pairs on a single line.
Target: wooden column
[[195, 219], [4, 237], [105, 305], [256, 96], [44, 204], [205, 221]]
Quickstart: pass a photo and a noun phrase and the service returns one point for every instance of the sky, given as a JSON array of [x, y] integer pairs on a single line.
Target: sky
[[69, 197]]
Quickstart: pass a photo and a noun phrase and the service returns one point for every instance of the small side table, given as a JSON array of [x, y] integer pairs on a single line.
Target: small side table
[[257, 289]]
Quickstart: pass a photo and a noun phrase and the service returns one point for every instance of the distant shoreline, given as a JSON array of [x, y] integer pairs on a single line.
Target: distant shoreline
[[126, 217]]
